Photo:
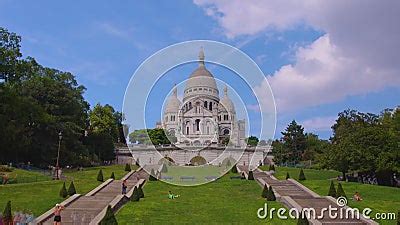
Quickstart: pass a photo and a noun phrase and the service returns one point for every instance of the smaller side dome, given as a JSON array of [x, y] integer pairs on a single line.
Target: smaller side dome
[[173, 103], [226, 104]]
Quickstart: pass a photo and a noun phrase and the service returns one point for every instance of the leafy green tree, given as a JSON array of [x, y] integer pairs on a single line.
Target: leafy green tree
[[103, 120], [63, 191], [252, 141], [128, 167], [271, 194], [264, 193], [71, 189], [294, 141], [332, 190], [301, 175], [7, 214], [109, 217], [340, 191], [100, 176]]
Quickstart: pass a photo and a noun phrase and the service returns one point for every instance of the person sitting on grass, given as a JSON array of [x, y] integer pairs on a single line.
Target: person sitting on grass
[[172, 196], [357, 197]]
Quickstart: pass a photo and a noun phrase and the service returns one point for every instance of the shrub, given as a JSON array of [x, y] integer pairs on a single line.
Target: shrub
[[287, 175], [112, 176], [100, 176], [137, 162], [271, 194], [135, 195], [140, 192], [7, 214], [63, 191], [302, 221], [128, 167], [228, 163], [264, 193], [109, 218], [5, 169], [271, 167], [301, 175], [340, 192], [164, 168], [398, 217], [71, 189], [250, 176], [152, 176], [332, 190], [234, 169]]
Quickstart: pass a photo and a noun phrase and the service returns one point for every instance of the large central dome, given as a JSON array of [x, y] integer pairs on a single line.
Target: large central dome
[[201, 82]]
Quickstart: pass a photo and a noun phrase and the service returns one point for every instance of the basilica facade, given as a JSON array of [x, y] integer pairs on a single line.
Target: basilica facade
[[202, 117]]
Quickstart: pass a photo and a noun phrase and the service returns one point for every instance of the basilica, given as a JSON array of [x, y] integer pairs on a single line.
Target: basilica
[[202, 117]]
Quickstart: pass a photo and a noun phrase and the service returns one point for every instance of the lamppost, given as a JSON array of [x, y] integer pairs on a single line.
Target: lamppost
[[58, 155]]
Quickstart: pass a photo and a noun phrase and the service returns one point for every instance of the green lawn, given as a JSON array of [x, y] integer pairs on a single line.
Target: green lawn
[[38, 197], [378, 198], [223, 201], [199, 173], [24, 176]]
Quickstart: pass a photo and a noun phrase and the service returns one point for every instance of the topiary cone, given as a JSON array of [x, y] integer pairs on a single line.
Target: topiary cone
[[332, 190], [109, 218], [340, 192], [100, 176], [7, 214], [301, 175], [264, 193], [234, 169], [271, 194], [250, 176], [63, 191], [112, 176], [135, 195], [128, 167], [287, 175], [302, 221], [71, 189], [140, 192]]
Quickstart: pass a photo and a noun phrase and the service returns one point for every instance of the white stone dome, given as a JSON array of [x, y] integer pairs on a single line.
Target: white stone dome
[[173, 103], [201, 82], [226, 104]]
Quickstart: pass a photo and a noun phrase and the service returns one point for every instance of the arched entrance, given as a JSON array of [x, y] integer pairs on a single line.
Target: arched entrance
[[197, 161]]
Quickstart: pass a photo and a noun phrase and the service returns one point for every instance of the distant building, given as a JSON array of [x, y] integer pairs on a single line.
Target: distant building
[[203, 118]]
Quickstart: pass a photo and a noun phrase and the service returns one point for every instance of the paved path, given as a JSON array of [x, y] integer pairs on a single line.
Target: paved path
[[293, 195], [86, 208]]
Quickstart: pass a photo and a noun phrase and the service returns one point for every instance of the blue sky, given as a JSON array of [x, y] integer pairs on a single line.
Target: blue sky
[[318, 62]]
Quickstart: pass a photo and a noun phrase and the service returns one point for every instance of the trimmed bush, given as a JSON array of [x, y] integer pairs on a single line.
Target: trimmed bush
[[135, 195], [302, 221], [250, 176], [100, 176], [340, 192], [228, 163], [128, 168], [140, 192], [137, 162], [264, 193], [271, 194], [63, 191], [7, 214], [398, 217], [71, 189], [164, 168], [332, 190], [152, 176], [112, 176], [271, 167], [287, 175], [109, 218], [301, 175], [234, 169]]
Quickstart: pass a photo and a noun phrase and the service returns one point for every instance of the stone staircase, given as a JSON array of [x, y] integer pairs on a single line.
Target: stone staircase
[[86, 209], [294, 195]]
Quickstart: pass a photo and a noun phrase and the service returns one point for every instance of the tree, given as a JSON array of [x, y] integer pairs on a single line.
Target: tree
[[128, 167], [264, 193], [287, 175], [340, 192], [301, 175], [252, 141], [234, 169], [250, 176], [140, 192], [271, 194], [153, 176], [302, 220], [135, 195], [294, 140], [7, 214], [100, 176], [71, 189], [164, 168], [112, 176], [109, 218], [332, 190], [104, 120], [63, 191], [271, 167]]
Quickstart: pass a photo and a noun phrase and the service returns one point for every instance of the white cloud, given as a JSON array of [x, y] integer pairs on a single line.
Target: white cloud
[[358, 53], [318, 123]]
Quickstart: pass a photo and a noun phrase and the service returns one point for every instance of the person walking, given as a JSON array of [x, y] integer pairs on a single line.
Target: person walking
[[57, 214], [124, 187]]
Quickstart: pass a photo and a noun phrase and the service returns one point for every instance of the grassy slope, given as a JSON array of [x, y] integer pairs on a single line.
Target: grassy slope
[[223, 201], [378, 198], [24, 176], [40, 196]]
